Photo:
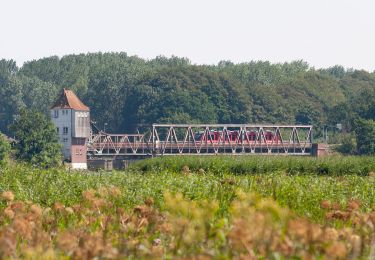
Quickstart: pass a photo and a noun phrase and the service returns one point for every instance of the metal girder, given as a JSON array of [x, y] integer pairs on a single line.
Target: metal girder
[[117, 144], [208, 139], [232, 138]]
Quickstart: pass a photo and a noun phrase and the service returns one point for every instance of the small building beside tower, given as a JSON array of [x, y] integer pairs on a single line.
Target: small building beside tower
[[72, 121]]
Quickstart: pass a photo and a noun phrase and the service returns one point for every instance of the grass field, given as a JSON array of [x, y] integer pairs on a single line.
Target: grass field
[[203, 207]]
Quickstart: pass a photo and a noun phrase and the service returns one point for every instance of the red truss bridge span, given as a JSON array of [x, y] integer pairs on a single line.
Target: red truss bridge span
[[205, 139]]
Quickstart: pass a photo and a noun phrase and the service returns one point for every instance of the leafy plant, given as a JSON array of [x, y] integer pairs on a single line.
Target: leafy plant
[[4, 149], [37, 141]]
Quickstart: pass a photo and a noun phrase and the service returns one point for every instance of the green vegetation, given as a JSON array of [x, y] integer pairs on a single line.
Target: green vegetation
[[4, 150], [212, 206], [365, 133], [173, 90], [37, 141], [299, 183], [332, 165]]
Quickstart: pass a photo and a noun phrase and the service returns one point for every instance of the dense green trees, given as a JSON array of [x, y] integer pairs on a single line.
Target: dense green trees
[[128, 92], [37, 141], [365, 136]]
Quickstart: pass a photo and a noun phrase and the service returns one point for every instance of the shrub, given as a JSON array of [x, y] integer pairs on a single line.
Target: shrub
[[4, 149], [37, 141]]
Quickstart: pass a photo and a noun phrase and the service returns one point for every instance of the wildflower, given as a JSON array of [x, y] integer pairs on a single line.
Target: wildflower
[[58, 206], [8, 243], [22, 227], [17, 206], [156, 242], [99, 203], [315, 232], [338, 214], [9, 213], [353, 205], [337, 250], [298, 227], [67, 241], [331, 234], [142, 210], [325, 204], [36, 210], [115, 192], [76, 207], [8, 196], [336, 206], [166, 227], [88, 195]]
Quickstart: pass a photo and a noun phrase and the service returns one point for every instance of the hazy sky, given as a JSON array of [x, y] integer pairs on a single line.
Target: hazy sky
[[321, 32]]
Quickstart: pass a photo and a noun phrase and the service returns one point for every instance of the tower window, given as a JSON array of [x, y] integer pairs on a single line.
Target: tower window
[[65, 130], [57, 130], [65, 140], [55, 113]]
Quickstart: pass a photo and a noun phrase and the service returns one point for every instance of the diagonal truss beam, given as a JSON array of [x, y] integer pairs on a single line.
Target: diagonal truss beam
[[169, 139]]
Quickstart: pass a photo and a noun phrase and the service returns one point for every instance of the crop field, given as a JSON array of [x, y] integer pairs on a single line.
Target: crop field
[[192, 207]]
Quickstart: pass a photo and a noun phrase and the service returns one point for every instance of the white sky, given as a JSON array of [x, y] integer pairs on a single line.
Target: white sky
[[321, 32]]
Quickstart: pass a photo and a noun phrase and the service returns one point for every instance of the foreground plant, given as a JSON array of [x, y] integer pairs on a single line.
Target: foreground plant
[[256, 228]]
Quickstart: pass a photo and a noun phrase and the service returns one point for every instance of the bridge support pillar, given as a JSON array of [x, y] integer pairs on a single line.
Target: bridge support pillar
[[320, 149]]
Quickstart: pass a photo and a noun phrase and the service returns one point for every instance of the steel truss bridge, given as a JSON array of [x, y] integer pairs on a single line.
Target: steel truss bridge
[[204, 139]]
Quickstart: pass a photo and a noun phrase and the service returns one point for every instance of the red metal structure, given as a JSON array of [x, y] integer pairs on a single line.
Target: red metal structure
[[205, 139]]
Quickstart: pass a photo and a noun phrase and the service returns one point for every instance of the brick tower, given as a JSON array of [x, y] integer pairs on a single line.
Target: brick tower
[[72, 120]]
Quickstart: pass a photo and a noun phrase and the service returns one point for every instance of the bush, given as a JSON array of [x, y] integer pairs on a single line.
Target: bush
[[37, 141], [348, 144], [4, 149]]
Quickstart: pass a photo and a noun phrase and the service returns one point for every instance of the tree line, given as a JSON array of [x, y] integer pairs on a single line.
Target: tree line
[[128, 93]]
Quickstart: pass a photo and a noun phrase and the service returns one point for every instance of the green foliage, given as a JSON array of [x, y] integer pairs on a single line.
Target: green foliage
[[4, 149], [167, 89], [163, 208], [37, 141], [239, 165], [365, 136], [348, 144], [302, 189], [142, 92]]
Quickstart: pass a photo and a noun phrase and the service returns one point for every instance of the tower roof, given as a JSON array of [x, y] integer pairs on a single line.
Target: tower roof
[[69, 100]]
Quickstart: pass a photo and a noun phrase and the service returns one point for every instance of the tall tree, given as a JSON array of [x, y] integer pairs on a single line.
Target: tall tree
[[365, 136], [37, 141]]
